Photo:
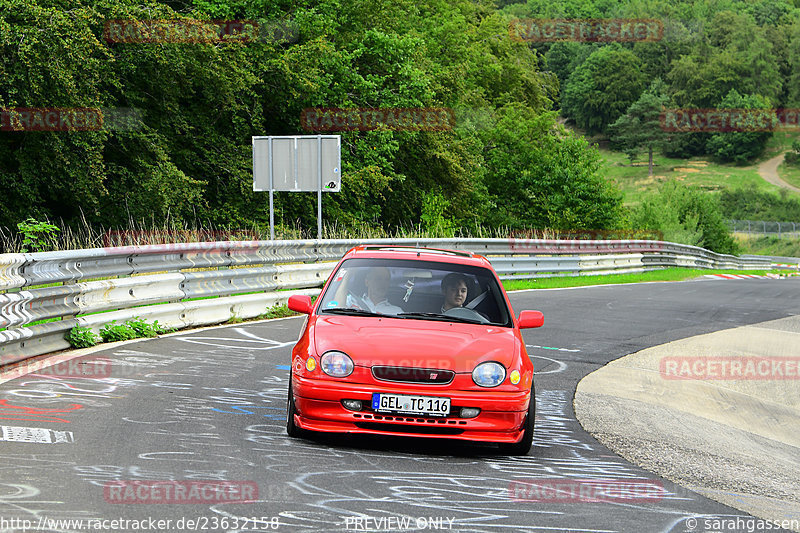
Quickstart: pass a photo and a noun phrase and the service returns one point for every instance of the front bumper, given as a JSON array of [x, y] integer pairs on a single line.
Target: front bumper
[[319, 408]]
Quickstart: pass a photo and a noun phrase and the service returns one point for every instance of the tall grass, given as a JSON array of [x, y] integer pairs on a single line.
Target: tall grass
[[138, 233]]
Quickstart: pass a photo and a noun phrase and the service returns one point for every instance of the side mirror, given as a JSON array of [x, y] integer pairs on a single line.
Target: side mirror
[[300, 303], [531, 319]]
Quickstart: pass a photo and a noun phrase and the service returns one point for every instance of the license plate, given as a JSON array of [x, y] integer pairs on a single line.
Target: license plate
[[414, 405]]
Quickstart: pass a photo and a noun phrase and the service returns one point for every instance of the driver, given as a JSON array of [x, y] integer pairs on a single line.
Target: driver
[[454, 288], [377, 283]]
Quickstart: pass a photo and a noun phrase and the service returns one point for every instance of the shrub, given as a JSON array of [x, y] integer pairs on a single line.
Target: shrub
[[143, 328], [278, 311], [793, 157], [81, 337], [37, 236], [686, 215], [113, 332], [750, 203], [741, 146]]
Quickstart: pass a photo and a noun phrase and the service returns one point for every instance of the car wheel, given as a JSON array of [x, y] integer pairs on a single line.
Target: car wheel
[[524, 445], [291, 428]]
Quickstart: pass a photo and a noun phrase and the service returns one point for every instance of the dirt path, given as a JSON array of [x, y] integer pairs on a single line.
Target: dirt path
[[769, 171]]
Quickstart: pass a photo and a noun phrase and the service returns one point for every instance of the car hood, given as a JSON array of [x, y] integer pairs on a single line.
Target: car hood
[[415, 343]]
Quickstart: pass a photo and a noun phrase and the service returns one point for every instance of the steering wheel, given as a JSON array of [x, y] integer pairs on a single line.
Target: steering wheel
[[357, 302], [464, 312]]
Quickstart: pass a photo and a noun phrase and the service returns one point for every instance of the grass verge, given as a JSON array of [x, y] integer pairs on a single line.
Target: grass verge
[[767, 245], [667, 274], [634, 182], [789, 173]]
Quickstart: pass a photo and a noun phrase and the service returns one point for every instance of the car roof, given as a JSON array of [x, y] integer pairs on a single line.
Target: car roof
[[461, 257]]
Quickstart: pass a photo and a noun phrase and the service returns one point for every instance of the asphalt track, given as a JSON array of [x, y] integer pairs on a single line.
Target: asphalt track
[[210, 405]]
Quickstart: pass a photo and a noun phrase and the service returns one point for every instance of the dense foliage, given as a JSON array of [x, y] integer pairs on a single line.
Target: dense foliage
[[186, 154], [709, 49], [752, 204], [687, 215], [188, 158]]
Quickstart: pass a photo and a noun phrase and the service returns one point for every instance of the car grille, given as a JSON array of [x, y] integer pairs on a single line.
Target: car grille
[[404, 374], [408, 428]]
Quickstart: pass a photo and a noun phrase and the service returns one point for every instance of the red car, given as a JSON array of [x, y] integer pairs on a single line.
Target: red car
[[413, 342]]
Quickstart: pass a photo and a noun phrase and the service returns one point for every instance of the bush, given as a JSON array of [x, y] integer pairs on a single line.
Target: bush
[[741, 146], [143, 328], [686, 215], [793, 157], [113, 332], [81, 337], [37, 236], [750, 203], [278, 311], [685, 145]]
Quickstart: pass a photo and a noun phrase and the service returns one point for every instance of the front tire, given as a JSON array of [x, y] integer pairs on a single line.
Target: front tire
[[292, 429], [524, 445]]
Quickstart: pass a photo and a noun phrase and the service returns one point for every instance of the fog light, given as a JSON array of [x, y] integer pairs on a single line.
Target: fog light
[[353, 405], [311, 364], [514, 377], [469, 412]]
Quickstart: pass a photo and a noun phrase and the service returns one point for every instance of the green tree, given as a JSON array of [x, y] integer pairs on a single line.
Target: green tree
[[563, 58], [740, 146], [602, 88], [793, 60], [542, 176], [735, 54], [640, 127]]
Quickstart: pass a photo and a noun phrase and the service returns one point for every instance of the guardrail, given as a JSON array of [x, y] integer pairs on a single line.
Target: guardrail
[[44, 295], [777, 259]]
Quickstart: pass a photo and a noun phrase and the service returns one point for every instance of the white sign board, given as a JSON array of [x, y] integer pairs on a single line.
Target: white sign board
[[297, 163]]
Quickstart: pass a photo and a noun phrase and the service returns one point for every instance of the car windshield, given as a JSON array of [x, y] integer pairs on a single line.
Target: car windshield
[[419, 290]]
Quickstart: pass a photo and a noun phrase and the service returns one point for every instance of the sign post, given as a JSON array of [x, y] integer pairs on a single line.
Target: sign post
[[297, 163]]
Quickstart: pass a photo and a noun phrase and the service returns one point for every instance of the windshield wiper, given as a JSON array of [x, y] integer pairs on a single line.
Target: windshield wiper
[[353, 311], [439, 316]]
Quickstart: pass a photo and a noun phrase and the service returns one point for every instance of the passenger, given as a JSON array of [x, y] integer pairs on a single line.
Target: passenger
[[455, 289]]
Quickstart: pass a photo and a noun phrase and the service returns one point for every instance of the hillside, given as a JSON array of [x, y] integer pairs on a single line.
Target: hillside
[[704, 172]]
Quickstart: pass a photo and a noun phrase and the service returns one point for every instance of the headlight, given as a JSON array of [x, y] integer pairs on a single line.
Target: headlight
[[336, 364], [489, 374]]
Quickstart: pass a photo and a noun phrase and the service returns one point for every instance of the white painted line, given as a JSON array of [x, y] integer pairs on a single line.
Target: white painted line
[[551, 348], [561, 365]]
